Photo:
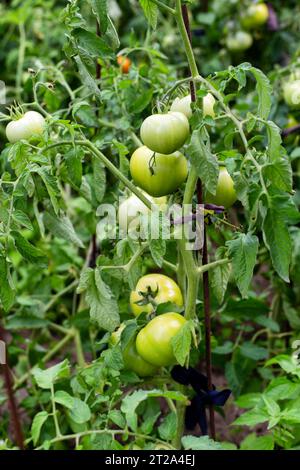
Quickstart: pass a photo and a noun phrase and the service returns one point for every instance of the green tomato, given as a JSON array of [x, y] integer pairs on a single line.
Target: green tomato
[[158, 174], [225, 193], [132, 208], [208, 105], [239, 41], [183, 105], [133, 361], [255, 16], [164, 290], [32, 123], [165, 133], [116, 335], [154, 341], [291, 94]]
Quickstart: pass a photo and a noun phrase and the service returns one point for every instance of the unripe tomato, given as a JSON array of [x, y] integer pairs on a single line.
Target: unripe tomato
[[183, 105], [124, 62], [32, 123], [208, 105], [255, 16], [164, 290], [133, 361], [225, 194], [158, 174], [116, 335], [239, 41], [165, 133], [291, 122], [132, 208], [154, 341], [291, 94]]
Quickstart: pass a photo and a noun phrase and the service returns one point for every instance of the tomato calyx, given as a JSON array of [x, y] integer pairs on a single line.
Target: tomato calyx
[[16, 111], [148, 297]]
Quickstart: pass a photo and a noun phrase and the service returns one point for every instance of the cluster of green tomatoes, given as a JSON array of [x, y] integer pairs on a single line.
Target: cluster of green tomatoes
[[255, 16], [152, 348], [159, 169]]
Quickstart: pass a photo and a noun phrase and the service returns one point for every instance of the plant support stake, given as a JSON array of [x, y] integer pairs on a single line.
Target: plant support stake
[[206, 293], [15, 417]]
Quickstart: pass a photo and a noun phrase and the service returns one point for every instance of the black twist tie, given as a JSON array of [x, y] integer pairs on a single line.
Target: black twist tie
[[196, 411]]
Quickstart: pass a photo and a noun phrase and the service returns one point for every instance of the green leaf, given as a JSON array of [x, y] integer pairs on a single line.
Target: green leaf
[[291, 414], [18, 156], [93, 45], [264, 91], [74, 167], [62, 228], [235, 377], [276, 236], [254, 442], [50, 182], [65, 399], [226, 348], [37, 424], [249, 400], [251, 418], [29, 251], [200, 443], [181, 343], [150, 11], [100, 9], [132, 401], [205, 163], [117, 418], [80, 413], [243, 253], [280, 173], [167, 429], [22, 219], [7, 293], [268, 323], [282, 388], [220, 276], [254, 352], [273, 409], [23, 322], [274, 141], [103, 306], [87, 78], [158, 251], [99, 174], [288, 363], [113, 358], [46, 378], [111, 36]]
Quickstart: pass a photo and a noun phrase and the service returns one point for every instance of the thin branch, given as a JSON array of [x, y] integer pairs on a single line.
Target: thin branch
[[164, 7]]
